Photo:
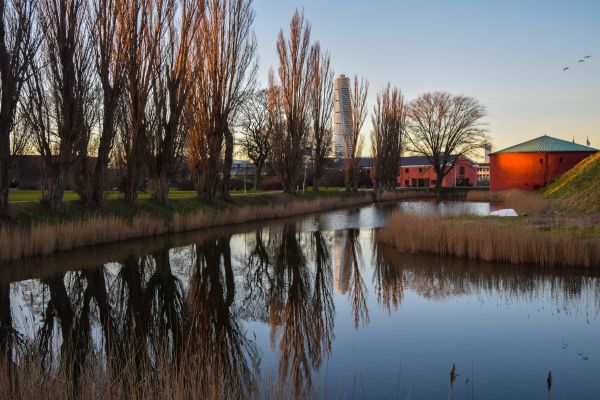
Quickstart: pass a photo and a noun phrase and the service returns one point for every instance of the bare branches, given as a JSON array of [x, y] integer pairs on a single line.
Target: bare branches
[[295, 82], [442, 126], [59, 107], [19, 42], [256, 137], [225, 50], [389, 121], [354, 141], [172, 88], [321, 101]]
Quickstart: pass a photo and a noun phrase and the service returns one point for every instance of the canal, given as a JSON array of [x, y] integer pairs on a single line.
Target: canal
[[314, 307]]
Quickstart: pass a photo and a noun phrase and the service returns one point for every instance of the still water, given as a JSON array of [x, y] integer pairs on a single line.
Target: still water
[[316, 305]]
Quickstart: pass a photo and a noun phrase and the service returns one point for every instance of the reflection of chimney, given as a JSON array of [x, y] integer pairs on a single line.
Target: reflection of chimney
[[488, 150]]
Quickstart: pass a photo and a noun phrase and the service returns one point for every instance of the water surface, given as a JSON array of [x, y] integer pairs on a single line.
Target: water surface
[[316, 305]]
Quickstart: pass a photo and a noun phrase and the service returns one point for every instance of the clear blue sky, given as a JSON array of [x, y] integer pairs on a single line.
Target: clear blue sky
[[509, 54]]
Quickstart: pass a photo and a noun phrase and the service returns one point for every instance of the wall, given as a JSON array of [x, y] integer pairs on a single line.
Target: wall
[[530, 171], [425, 173]]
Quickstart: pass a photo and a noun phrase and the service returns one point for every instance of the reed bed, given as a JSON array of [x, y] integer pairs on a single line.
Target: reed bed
[[43, 239], [489, 239], [525, 203]]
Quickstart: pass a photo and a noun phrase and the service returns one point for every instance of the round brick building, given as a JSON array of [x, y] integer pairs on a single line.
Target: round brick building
[[535, 163]]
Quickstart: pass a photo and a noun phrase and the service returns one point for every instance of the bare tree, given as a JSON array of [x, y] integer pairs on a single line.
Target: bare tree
[[18, 45], [171, 91], [225, 49], [442, 126], [59, 93], [256, 139], [294, 90], [389, 122], [107, 34], [354, 141], [143, 25], [321, 102]]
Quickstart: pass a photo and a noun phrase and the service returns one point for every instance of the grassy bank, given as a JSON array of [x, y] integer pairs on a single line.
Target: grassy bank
[[38, 231], [578, 191]]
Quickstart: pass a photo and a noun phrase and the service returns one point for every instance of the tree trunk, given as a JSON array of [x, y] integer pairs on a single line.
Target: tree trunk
[[4, 164], [227, 162], [161, 192], [100, 169], [257, 176], [56, 188]]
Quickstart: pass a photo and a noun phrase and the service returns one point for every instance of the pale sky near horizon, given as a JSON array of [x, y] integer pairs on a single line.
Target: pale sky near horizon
[[508, 54]]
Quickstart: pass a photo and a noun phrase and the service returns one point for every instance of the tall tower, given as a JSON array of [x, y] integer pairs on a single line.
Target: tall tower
[[342, 118], [488, 149]]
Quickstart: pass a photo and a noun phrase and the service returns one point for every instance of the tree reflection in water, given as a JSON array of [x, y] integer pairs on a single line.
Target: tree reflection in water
[[174, 321], [225, 357], [350, 268]]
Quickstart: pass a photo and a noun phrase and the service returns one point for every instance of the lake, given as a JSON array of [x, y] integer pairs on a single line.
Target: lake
[[314, 305]]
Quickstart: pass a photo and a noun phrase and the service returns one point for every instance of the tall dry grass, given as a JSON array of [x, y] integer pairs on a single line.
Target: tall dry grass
[[44, 239], [525, 203], [489, 240]]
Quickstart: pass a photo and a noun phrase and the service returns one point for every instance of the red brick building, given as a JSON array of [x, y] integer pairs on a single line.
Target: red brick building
[[535, 163], [418, 172]]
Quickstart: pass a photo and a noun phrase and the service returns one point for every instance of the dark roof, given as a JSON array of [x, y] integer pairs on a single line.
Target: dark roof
[[546, 144]]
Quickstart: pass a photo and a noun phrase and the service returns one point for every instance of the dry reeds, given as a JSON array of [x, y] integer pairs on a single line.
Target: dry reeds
[[489, 240], [525, 203], [43, 239]]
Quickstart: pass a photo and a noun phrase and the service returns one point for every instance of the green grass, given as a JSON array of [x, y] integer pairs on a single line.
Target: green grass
[[578, 190], [26, 208]]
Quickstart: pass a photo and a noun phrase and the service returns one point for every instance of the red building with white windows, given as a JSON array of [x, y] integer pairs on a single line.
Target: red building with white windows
[[418, 172], [534, 164]]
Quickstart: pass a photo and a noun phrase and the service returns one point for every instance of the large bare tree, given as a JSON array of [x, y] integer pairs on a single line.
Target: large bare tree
[[142, 23], [59, 96], [354, 141], [294, 91], [18, 44], [225, 49], [389, 120], [256, 139], [441, 126], [321, 103], [106, 29], [172, 88]]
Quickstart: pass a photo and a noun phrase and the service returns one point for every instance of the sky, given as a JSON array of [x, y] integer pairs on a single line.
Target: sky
[[508, 54]]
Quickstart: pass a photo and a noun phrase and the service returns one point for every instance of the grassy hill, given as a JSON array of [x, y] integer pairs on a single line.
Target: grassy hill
[[579, 189]]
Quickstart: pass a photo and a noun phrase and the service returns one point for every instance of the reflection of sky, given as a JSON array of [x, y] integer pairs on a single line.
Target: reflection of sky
[[511, 333]]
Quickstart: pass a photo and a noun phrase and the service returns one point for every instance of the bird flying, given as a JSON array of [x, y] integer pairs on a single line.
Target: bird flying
[[580, 61], [565, 68], [586, 57]]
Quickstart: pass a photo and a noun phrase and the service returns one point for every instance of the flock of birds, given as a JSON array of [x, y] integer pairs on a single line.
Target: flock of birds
[[581, 60]]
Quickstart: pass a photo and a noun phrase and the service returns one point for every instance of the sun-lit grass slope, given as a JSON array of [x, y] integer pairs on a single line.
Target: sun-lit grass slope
[[579, 189]]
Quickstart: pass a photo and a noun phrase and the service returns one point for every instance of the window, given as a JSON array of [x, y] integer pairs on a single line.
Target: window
[[461, 170], [406, 183], [420, 169], [406, 170], [560, 160], [541, 160]]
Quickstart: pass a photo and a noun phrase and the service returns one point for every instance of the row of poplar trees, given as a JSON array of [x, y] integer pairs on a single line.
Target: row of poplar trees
[[142, 84]]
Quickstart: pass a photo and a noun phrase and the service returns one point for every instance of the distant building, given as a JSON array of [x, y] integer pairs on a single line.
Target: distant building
[[534, 164], [418, 171], [483, 174], [342, 117]]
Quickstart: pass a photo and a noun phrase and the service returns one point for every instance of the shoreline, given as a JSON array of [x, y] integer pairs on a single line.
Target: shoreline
[[61, 233]]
